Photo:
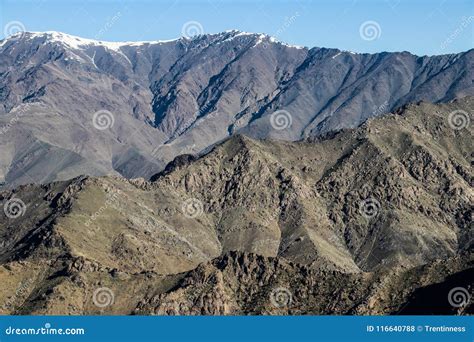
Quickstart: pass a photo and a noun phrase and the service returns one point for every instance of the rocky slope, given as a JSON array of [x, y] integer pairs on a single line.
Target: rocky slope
[[372, 220], [72, 106]]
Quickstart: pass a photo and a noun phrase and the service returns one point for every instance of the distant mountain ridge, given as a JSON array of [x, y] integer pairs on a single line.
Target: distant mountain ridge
[[161, 99]]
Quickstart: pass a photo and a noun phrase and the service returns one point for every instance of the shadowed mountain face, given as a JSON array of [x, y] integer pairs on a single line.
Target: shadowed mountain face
[[72, 106], [365, 221]]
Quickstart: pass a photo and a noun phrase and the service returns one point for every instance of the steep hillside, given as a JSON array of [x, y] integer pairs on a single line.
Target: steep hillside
[[71, 106], [368, 221]]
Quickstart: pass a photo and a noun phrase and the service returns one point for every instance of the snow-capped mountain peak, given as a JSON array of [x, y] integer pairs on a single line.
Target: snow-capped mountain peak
[[78, 42]]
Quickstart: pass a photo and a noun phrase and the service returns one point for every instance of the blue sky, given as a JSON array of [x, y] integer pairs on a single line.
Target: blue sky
[[419, 26]]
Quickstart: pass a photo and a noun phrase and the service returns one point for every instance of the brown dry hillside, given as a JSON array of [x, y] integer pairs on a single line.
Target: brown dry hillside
[[366, 221]]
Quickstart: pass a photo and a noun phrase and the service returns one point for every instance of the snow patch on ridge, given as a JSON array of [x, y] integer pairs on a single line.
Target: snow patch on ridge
[[261, 37], [78, 42]]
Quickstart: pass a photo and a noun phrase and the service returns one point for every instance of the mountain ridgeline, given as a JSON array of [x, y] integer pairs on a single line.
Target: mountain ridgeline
[[71, 106]]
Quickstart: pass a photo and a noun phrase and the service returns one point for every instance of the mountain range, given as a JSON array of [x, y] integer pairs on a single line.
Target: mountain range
[[71, 106], [369, 220]]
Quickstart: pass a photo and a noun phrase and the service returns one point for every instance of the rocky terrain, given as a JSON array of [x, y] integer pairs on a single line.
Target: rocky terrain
[[371, 220], [71, 106]]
